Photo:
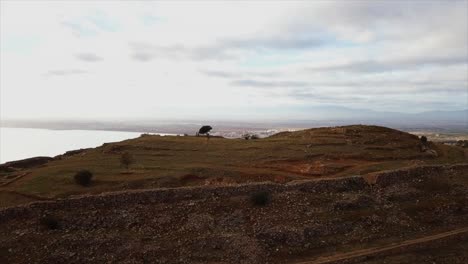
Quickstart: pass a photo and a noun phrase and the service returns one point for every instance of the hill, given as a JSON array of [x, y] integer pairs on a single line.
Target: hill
[[188, 161], [353, 194]]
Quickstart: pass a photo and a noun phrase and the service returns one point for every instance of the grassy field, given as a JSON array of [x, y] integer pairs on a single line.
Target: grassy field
[[185, 161]]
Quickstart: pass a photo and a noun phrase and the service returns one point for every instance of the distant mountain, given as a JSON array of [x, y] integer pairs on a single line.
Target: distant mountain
[[299, 117], [344, 113], [332, 115], [461, 115]]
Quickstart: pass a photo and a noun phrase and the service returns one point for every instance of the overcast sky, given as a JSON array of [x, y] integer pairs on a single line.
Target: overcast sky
[[123, 59]]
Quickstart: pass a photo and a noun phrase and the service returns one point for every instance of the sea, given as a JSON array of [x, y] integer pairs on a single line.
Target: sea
[[22, 143]]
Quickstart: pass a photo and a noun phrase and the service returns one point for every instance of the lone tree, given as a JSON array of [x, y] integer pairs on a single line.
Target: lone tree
[[126, 159], [204, 130]]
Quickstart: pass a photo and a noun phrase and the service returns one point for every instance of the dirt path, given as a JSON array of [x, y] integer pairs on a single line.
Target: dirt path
[[15, 178], [358, 255]]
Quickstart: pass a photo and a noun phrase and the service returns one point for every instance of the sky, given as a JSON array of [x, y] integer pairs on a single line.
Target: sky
[[246, 60]]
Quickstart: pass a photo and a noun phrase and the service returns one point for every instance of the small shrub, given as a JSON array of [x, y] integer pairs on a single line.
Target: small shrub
[[260, 198], [423, 140], [83, 177], [126, 159], [434, 185], [250, 136], [462, 143], [49, 222]]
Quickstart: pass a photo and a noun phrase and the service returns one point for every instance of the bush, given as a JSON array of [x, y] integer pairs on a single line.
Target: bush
[[83, 177], [126, 159], [49, 222], [423, 140], [250, 136], [462, 143], [260, 198], [434, 185]]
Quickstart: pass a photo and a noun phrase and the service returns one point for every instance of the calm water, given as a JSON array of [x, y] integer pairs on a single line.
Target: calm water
[[21, 143]]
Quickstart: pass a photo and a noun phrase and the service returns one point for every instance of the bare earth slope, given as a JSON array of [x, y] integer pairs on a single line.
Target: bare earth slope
[[187, 161]]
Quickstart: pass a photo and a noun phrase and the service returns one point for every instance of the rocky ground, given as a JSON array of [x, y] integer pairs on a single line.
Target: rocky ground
[[300, 221]]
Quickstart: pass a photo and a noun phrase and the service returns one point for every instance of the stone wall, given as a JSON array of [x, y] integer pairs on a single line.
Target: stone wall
[[384, 179], [166, 195]]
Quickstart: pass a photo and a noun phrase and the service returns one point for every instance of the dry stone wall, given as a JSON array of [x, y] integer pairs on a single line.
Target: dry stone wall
[[388, 178], [167, 195]]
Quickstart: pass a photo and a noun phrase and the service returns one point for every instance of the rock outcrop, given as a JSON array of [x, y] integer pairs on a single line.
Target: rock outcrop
[[25, 163]]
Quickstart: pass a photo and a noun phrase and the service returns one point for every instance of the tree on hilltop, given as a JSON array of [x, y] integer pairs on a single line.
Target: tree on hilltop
[[126, 159], [204, 130]]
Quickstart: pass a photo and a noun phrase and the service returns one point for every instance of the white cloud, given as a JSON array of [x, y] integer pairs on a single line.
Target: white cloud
[[182, 59]]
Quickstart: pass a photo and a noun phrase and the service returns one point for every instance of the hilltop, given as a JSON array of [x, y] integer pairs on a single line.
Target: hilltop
[[187, 161]]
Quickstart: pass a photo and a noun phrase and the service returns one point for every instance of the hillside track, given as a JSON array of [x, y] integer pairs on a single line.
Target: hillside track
[[359, 255]]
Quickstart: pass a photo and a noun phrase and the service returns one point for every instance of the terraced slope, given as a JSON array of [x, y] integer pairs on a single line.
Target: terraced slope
[[188, 161]]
